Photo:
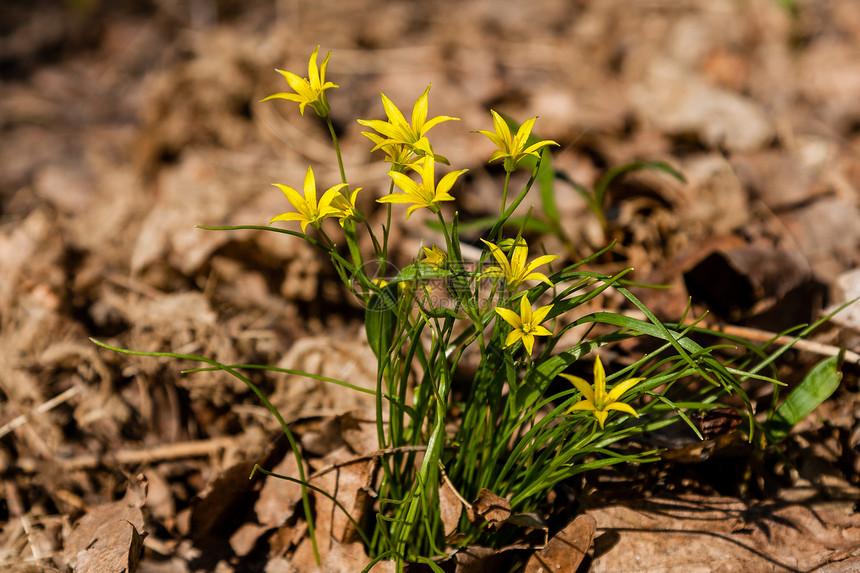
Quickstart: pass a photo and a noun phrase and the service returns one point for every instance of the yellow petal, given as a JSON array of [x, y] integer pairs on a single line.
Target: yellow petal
[[290, 216], [539, 315], [313, 73], [582, 405], [519, 256], [448, 180], [542, 260], [525, 129], [621, 388], [404, 182], [399, 198], [525, 310], [419, 112], [622, 407], [310, 187], [538, 277], [513, 337], [509, 316], [501, 127], [580, 384], [394, 116], [538, 330], [528, 342], [501, 258], [599, 379]]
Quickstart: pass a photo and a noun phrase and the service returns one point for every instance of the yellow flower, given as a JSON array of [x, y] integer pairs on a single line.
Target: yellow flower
[[397, 131], [435, 257], [310, 91], [516, 271], [346, 209], [398, 154], [526, 324], [512, 148], [424, 194], [597, 400], [309, 211]]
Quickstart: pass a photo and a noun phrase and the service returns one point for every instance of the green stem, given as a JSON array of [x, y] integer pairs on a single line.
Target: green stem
[[385, 230], [450, 247], [352, 243], [336, 150], [505, 192]]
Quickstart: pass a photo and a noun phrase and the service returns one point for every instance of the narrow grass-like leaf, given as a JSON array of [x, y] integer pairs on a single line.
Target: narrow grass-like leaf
[[816, 387], [380, 319]]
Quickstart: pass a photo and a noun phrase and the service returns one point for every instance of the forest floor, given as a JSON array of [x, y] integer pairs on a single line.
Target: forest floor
[[125, 124]]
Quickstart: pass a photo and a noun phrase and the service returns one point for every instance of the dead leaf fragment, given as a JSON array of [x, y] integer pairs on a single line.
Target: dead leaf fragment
[[107, 539], [450, 509], [722, 534], [489, 507], [566, 550]]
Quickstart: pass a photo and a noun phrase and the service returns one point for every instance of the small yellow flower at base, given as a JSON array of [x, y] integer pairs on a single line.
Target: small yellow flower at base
[[597, 400], [398, 154], [526, 325], [346, 209], [309, 211], [310, 91], [425, 194], [397, 131], [512, 148], [435, 257], [516, 271]]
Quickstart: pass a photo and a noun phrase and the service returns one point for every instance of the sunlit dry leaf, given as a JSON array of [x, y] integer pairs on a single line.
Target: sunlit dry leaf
[[108, 539], [680, 534], [567, 548], [450, 509], [489, 507]]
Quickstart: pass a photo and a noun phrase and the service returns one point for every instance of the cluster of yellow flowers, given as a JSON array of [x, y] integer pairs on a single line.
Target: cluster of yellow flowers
[[407, 147]]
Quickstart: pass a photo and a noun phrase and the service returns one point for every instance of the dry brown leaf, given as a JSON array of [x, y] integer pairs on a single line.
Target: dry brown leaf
[[450, 509], [720, 534], [107, 539], [347, 482], [489, 507], [277, 500], [475, 559], [567, 548], [221, 503], [736, 283]]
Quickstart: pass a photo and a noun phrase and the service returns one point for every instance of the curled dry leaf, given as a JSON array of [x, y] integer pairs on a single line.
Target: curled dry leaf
[[108, 537], [491, 508], [566, 550]]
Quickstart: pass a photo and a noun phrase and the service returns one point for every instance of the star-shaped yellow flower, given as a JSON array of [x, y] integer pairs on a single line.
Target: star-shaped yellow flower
[[397, 131], [309, 211], [435, 257], [346, 209], [516, 271], [398, 154], [310, 91], [512, 148], [426, 193], [526, 324], [597, 400]]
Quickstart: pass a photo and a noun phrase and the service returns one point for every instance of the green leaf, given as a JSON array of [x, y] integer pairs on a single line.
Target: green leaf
[[611, 175], [539, 380], [817, 386], [418, 272], [380, 320], [545, 179], [484, 223]]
